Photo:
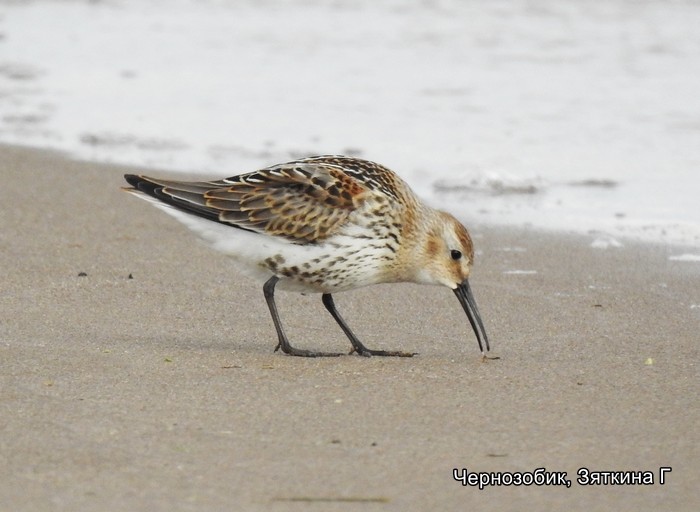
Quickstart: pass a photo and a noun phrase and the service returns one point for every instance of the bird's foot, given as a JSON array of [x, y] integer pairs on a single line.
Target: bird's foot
[[366, 352], [300, 352]]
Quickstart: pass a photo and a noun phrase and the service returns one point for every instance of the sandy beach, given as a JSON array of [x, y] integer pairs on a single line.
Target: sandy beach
[[137, 370]]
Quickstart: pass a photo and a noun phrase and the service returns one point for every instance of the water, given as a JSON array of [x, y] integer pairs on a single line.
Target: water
[[569, 115]]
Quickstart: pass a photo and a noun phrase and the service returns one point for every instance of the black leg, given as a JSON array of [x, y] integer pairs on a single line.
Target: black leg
[[357, 345], [287, 348]]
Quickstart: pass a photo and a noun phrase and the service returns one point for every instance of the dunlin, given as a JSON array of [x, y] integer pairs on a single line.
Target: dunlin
[[324, 224]]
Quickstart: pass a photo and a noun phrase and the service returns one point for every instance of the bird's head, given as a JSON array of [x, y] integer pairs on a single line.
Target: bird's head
[[448, 259]]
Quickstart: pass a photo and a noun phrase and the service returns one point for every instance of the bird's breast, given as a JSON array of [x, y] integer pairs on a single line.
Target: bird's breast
[[357, 256]]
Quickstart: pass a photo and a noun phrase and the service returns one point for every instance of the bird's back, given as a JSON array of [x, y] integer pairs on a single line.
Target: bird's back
[[303, 201]]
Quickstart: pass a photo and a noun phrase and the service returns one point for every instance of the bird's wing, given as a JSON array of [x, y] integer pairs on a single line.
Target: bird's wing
[[304, 201], [372, 175]]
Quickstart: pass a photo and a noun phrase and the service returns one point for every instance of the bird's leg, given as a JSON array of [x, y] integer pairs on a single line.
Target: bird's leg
[[287, 348], [357, 345]]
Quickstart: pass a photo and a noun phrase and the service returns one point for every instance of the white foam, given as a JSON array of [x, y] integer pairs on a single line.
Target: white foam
[[565, 115], [605, 243], [685, 257]]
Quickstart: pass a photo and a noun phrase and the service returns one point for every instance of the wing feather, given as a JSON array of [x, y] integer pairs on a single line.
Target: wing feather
[[304, 201]]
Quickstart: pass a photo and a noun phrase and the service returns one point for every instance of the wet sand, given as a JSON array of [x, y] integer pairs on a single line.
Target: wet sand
[[149, 382]]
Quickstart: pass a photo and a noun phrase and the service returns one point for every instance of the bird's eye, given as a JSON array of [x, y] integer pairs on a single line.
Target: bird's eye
[[455, 254]]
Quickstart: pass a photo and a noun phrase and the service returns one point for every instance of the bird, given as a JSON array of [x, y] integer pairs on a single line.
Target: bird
[[324, 224]]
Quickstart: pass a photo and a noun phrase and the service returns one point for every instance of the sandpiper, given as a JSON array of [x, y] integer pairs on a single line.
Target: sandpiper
[[324, 224]]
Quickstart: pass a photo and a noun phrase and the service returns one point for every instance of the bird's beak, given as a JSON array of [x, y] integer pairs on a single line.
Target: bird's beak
[[466, 299]]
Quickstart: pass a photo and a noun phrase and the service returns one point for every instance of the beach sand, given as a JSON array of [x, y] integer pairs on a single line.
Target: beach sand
[[150, 383]]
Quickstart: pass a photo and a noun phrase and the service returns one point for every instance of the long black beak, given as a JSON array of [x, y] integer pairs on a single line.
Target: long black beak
[[466, 299]]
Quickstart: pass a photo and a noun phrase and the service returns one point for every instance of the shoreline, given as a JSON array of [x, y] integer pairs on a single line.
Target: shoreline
[[160, 391], [599, 238]]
